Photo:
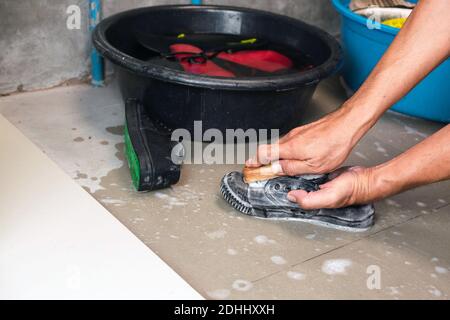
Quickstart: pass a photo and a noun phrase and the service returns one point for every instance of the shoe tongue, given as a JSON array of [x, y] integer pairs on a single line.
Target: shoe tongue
[[311, 176], [257, 184]]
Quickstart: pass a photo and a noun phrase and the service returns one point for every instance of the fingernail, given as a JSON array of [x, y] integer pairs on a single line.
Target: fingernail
[[291, 198], [276, 167], [250, 161]]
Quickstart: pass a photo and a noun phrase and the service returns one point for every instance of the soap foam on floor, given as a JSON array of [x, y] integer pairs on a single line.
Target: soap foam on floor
[[242, 285], [219, 294], [296, 275], [336, 266], [278, 260]]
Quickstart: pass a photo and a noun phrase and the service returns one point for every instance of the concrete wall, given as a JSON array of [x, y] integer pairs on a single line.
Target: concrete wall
[[38, 51]]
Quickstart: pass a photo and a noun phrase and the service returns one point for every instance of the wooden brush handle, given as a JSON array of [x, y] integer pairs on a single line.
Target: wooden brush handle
[[261, 173]]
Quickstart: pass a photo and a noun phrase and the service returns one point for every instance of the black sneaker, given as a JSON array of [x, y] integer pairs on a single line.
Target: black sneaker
[[268, 200]]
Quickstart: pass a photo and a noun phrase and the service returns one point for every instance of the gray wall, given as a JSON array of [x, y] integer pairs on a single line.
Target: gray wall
[[38, 51]]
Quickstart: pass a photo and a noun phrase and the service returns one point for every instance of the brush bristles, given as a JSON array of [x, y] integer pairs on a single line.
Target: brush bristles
[[258, 174]]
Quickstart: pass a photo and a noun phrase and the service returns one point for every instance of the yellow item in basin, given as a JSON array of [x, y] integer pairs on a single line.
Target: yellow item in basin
[[396, 23]]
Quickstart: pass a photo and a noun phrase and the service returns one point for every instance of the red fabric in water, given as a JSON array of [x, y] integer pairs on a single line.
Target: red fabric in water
[[208, 68], [264, 60]]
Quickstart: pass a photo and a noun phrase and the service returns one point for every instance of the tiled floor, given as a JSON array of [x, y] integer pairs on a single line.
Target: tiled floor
[[223, 254]]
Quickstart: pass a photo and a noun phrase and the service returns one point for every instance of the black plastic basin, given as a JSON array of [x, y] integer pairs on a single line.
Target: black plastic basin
[[177, 99]]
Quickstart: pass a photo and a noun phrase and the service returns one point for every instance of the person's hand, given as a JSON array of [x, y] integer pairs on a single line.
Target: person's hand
[[349, 186], [318, 147], [425, 163]]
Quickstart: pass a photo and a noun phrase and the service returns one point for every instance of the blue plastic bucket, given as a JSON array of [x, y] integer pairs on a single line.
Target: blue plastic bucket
[[363, 48]]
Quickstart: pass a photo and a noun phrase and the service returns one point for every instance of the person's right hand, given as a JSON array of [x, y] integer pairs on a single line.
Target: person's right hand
[[347, 187], [316, 148]]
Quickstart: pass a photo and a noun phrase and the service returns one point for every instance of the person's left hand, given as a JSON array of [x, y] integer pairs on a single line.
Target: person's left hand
[[349, 186]]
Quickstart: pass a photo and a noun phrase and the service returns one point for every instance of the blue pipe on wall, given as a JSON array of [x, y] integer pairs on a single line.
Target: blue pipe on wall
[[97, 72], [97, 64]]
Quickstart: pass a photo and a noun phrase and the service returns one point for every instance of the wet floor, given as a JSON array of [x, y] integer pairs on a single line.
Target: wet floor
[[225, 255]]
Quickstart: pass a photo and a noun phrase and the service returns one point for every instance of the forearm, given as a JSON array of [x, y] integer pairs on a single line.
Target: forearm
[[425, 163], [421, 45]]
